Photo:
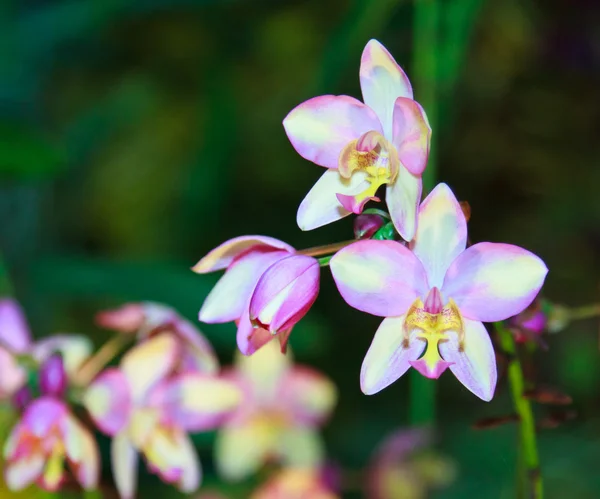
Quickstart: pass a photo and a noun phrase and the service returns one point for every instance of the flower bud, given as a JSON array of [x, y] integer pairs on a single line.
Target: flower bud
[[22, 398], [53, 378], [366, 225], [285, 292]]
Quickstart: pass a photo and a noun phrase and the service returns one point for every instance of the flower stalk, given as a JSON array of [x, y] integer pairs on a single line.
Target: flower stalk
[[530, 480], [107, 352], [326, 249]]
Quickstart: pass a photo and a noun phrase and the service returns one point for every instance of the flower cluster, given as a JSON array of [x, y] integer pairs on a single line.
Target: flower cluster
[[416, 272]]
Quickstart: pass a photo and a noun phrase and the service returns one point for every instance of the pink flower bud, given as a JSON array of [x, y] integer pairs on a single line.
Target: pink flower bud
[[126, 319], [365, 226], [22, 398], [53, 378], [285, 292]]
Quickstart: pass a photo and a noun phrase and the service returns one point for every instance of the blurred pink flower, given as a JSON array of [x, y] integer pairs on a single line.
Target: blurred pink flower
[[384, 141], [148, 408], [435, 297], [295, 483], [15, 342], [45, 437], [282, 408], [403, 467], [147, 319], [281, 298]]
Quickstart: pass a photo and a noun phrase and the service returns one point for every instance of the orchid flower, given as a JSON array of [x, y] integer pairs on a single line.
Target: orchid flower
[[286, 285], [147, 319], [46, 436], [364, 146], [278, 419], [149, 410], [15, 341], [435, 297], [297, 483]]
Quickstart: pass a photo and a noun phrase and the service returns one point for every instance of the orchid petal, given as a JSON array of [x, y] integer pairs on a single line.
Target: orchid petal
[[494, 281], [441, 233], [411, 134], [382, 81], [321, 205], [226, 301], [171, 454], [241, 450], [14, 331], [74, 349], [402, 198], [264, 370], [285, 292], [108, 400], [378, 277], [125, 319], [300, 447], [322, 126], [82, 452], [389, 357], [124, 465], [43, 414], [222, 256], [249, 338], [199, 354], [12, 375], [196, 402], [308, 394], [474, 364], [24, 471], [149, 362]]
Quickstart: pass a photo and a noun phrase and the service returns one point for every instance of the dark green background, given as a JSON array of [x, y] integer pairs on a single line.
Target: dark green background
[[137, 135]]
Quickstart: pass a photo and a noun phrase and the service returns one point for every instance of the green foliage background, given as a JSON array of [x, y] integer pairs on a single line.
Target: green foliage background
[[137, 135]]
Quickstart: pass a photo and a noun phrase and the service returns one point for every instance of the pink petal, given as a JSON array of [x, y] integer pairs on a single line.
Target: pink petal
[[222, 256], [378, 277], [475, 365], [12, 375], [285, 292], [74, 349], [441, 233], [227, 300], [389, 357], [199, 354], [14, 331], [108, 400], [82, 453], [321, 206], [411, 134], [250, 338], [172, 456], [263, 373], [308, 394], [494, 281], [43, 414], [402, 198], [23, 472], [149, 362], [124, 465], [321, 127], [126, 319], [382, 81], [196, 402]]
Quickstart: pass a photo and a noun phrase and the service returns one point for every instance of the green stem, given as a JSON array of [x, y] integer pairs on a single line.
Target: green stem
[[424, 77], [527, 435], [584, 312]]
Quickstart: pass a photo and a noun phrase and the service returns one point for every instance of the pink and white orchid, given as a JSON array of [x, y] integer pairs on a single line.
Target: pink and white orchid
[[364, 146], [266, 289], [16, 341], [147, 319], [435, 297], [45, 437], [278, 419], [149, 410]]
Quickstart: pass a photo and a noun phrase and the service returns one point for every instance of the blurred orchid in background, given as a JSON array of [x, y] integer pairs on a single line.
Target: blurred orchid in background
[[147, 319], [295, 483], [403, 467], [17, 349], [364, 146], [149, 407], [283, 406], [265, 282], [47, 435], [435, 297]]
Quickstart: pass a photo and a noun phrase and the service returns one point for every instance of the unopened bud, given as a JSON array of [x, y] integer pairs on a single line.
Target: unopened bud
[[53, 378]]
